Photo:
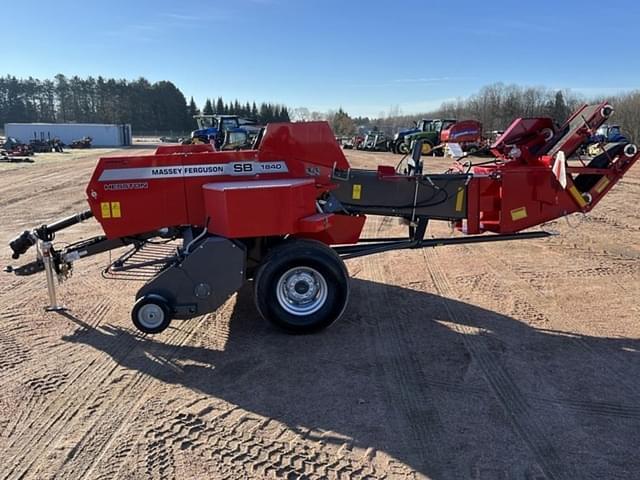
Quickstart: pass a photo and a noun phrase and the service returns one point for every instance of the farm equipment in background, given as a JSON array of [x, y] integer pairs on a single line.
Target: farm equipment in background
[[345, 142], [223, 131], [45, 145], [605, 134], [433, 134], [358, 141], [289, 213], [84, 142], [375, 141], [398, 140], [13, 147], [165, 139]]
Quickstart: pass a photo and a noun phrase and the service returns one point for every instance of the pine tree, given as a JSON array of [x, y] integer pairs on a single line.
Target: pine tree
[[192, 111], [219, 106], [265, 114], [208, 108], [285, 114]]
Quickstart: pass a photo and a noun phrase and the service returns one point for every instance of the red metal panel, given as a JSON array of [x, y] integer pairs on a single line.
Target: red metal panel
[[341, 230], [309, 147], [193, 184], [126, 201], [518, 197], [527, 134], [258, 208]]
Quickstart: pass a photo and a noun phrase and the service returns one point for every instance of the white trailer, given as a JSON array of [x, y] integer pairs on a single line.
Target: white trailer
[[102, 135]]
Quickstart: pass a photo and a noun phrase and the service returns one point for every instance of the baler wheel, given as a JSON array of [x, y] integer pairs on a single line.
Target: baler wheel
[[403, 148], [151, 314], [302, 286]]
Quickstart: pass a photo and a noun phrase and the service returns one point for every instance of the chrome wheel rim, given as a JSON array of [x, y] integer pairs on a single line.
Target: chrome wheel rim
[[151, 315], [301, 291]]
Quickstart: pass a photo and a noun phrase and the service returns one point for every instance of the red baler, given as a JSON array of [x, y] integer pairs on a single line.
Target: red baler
[[289, 212]]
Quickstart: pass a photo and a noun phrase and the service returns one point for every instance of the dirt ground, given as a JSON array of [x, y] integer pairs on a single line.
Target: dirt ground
[[515, 360]]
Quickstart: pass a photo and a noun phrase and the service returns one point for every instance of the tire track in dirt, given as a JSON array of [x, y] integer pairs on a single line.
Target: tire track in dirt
[[48, 423], [411, 390], [21, 328], [514, 402], [113, 418], [534, 315], [58, 411], [601, 409], [240, 444], [541, 304], [31, 188], [486, 284], [244, 445]]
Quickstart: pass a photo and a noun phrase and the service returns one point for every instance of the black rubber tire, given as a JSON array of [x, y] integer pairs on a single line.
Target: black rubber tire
[[155, 300], [301, 253], [403, 148]]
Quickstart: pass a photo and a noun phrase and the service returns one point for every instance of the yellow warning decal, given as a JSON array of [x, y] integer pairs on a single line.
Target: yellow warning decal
[[518, 213], [602, 184], [459, 199], [576, 196], [356, 192], [115, 210], [106, 210]]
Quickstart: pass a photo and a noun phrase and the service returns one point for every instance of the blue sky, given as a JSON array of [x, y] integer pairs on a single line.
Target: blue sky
[[366, 56]]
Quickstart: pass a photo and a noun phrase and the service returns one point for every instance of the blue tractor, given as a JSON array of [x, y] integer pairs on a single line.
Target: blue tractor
[[397, 145], [224, 131]]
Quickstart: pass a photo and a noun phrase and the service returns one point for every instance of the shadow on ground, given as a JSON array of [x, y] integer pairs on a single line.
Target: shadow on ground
[[447, 388]]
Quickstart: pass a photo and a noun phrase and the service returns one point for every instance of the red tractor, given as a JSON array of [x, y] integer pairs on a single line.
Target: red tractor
[[288, 214]]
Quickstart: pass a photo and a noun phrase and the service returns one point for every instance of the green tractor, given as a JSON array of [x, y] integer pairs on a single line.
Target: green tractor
[[429, 132]]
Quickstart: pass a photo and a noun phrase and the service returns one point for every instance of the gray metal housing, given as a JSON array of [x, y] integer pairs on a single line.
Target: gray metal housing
[[203, 280]]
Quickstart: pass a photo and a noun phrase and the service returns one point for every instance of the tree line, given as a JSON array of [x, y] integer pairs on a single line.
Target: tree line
[[145, 105], [148, 107], [162, 107], [496, 106], [265, 113]]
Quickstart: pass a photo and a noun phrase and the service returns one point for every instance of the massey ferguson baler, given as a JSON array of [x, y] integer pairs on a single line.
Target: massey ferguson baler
[[289, 212]]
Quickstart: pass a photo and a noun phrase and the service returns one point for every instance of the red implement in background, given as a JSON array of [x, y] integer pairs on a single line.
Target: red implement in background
[[465, 131]]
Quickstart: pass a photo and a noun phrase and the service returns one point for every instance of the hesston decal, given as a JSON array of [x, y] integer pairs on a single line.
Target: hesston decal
[[126, 186]]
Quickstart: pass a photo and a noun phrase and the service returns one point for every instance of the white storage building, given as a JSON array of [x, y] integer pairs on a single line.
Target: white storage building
[[103, 135]]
